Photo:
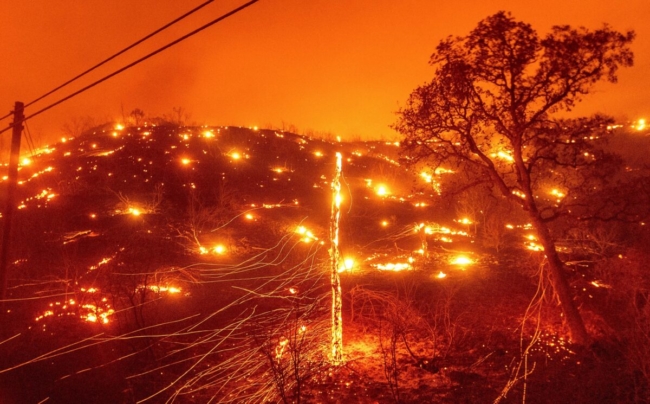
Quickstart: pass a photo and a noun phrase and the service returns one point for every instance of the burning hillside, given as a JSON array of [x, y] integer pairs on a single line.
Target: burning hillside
[[192, 262]]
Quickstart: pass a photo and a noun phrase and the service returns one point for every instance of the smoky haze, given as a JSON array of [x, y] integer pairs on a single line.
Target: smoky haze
[[331, 66]]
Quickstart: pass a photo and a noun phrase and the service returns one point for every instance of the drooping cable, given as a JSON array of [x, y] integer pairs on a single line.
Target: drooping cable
[[136, 43], [138, 61]]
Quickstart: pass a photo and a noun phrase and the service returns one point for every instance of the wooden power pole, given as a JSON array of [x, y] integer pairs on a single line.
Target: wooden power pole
[[11, 190]]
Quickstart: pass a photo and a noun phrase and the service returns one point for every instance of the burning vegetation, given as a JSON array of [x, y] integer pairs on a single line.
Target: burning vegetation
[[157, 262]]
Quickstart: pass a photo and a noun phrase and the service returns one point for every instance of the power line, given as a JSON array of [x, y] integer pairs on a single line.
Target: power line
[[121, 52], [142, 59]]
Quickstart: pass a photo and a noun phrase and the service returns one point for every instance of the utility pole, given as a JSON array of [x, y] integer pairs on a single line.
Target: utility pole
[[11, 190]]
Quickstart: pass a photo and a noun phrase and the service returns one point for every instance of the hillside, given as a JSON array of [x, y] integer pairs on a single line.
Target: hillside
[[183, 263]]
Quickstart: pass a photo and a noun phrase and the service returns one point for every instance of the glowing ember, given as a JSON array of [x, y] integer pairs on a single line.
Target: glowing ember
[[600, 285], [394, 267], [186, 161], [382, 190], [348, 265], [308, 236], [441, 275], [503, 155], [461, 261], [640, 125], [219, 249]]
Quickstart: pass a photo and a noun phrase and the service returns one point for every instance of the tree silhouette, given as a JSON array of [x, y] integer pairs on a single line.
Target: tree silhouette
[[491, 109]]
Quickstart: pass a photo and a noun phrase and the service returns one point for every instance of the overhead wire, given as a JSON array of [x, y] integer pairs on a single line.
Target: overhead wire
[[138, 61], [136, 43]]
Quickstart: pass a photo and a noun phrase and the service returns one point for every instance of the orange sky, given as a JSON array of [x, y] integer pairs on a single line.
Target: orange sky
[[343, 66]]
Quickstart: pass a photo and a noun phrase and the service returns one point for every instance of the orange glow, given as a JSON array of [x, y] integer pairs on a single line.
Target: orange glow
[[640, 125], [186, 161], [394, 266], [461, 261], [249, 85], [347, 265], [382, 190], [308, 236]]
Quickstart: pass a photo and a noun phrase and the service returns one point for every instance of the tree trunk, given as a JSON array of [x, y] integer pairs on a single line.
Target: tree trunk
[[560, 284]]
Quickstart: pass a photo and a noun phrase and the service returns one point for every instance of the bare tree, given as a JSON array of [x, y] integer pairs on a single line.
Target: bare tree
[[490, 109], [137, 115], [76, 126]]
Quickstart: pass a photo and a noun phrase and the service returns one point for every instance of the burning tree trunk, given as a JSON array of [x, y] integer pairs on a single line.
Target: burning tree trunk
[[337, 304]]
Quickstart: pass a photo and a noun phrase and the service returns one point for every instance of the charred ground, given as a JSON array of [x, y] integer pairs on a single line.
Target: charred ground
[[170, 262]]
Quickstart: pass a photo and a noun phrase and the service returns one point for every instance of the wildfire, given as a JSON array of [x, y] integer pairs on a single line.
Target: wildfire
[[347, 265], [308, 236], [640, 125], [159, 289], [396, 267], [382, 190], [461, 261], [557, 193], [503, 156]]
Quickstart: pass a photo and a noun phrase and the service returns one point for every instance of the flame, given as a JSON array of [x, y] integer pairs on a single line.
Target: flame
[[308, 236], [348, 265], [640, 125], [461, 261], [503, 156], [394, 267], [382, 190]]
